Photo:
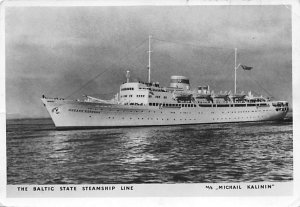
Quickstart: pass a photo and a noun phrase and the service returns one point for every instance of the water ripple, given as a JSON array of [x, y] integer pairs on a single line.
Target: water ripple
[[236, 152]]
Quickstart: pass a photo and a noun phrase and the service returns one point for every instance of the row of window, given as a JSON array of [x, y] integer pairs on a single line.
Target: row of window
[[201, 105], [280, 104], [153, 89], [98, 112], [127, 89], [244, 111], [282, 109], [137, 104], [251, 117], [172, 105], [130, 96], [225, 118], [124, 96]]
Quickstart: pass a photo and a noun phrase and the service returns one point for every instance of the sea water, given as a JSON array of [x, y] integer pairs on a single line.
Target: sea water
[[226, 152]]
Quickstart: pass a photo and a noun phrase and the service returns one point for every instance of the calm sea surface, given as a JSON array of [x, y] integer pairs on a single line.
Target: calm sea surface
[[232, 152]]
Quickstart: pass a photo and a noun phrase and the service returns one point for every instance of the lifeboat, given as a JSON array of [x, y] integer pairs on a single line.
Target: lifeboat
[[182, 95]]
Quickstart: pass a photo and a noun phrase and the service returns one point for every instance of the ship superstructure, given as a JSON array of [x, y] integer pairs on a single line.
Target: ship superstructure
[[148, 104]]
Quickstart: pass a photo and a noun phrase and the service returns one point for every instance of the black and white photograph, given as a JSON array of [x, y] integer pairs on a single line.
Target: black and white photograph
[[105, 97]]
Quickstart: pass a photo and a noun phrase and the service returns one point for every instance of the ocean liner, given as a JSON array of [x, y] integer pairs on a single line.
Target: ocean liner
[[148, 104]]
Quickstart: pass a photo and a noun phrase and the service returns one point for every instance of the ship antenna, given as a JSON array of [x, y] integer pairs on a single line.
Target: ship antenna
[[149, 60]]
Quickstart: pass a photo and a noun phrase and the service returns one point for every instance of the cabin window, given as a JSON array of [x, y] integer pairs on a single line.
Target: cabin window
[[126, 89], [165, 97]]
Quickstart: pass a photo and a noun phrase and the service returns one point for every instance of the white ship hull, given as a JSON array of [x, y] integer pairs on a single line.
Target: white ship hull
[[78, 114]]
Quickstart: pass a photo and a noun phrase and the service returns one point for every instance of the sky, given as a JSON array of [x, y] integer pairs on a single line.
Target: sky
[[56, 50]]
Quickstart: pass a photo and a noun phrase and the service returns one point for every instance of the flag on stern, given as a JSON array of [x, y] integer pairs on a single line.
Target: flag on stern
[[246, 67]]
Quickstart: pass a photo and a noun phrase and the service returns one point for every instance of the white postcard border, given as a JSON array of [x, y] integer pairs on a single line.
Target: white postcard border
[[257, 200]]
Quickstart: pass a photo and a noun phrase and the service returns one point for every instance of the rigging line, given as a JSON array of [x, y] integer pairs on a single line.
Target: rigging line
[[230, 55], [189, 44], [179, 63], [101, 94], [174, 59], [260, 85], [225, 62], [137, 61], [99, 74]]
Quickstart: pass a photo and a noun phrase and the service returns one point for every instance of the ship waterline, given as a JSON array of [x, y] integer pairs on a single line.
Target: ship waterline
[[80, 114]]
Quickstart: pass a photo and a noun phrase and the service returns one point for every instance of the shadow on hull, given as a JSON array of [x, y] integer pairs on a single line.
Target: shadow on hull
[[283, 120]]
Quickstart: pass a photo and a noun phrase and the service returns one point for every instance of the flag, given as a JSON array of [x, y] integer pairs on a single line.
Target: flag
[[246, 67]]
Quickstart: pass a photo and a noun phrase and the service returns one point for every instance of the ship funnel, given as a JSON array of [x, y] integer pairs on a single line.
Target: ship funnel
[[180, 82], [127, 75]]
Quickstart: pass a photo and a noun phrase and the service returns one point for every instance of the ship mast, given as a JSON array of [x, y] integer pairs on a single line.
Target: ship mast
[[235, 51], [235, 68], [149, 60]]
